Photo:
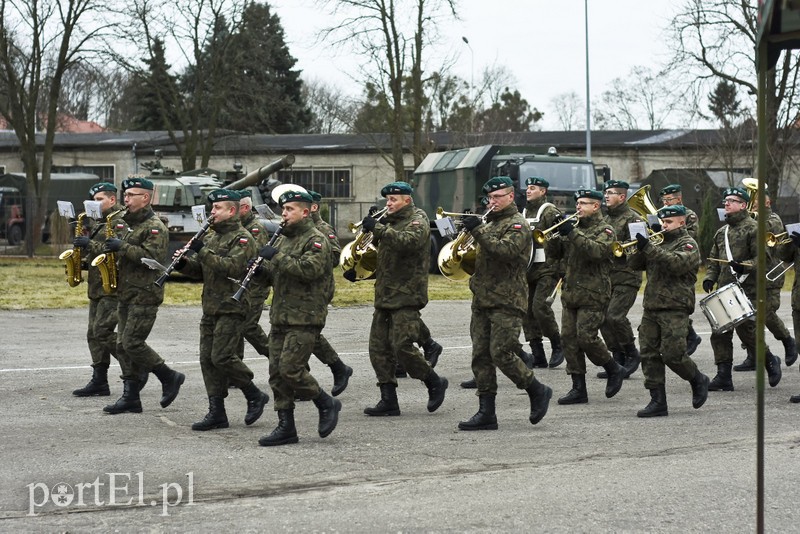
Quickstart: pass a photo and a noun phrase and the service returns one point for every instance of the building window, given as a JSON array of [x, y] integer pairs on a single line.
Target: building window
[[328, 182], [104, 172]]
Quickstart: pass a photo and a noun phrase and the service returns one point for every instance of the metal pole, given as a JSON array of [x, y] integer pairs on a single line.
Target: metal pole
[[471, 83], [588, 104]]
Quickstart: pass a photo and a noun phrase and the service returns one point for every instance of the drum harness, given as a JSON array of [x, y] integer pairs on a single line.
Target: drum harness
[[739, 278]]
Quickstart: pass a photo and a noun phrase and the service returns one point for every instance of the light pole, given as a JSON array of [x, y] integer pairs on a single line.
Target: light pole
[[588, 105], [471, 81]]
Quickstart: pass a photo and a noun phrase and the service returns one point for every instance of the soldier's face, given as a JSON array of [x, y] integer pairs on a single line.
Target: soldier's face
[[106, 200], [136, 198], [245, 208], [397, 202], [733, 204], [499, 200], [615, 197], [294, 212], [671, 223], [534, 192], [586, 206], [671, 200], [222, 211]]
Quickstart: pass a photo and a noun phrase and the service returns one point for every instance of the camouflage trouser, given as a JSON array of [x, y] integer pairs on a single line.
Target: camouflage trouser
[[796, 321], [495, 342], [722, 343], [616, 328], [253, 333], [134, 354], [391, 340], [771, 320], [289, 351], [100, 334], [324, 352], [424, 333], [540, 320], [579, 327], [219, 362], [662, 342]]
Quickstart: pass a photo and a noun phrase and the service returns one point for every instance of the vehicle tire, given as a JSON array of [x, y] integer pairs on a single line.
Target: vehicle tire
[[436, 246], [15, 235]]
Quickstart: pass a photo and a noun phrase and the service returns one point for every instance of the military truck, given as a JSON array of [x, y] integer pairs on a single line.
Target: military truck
[[12, 219]]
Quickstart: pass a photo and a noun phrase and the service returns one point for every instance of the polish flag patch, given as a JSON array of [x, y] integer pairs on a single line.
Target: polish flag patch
[[120, 226], [242, 240], [609, 231], [154, 231], [415, 223], [689, 246], [517, 227], [317, 245], [255, 231], [331, 236]]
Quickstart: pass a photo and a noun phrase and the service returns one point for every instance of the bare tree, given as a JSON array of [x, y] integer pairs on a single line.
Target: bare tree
[[641, 100], [333, 111], [568, 108]]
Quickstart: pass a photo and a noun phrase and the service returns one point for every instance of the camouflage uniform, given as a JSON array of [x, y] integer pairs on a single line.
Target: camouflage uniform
[[223, 256], [791, 254], [771, 319], [499, 303], [692, 223], [257, 293], [322, 349]]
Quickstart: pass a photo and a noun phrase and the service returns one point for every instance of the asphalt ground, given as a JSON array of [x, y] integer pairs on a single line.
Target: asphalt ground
[[68, 467]]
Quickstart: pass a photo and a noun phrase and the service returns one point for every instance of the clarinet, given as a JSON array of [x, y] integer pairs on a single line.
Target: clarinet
[[183, 251], [255, 265]]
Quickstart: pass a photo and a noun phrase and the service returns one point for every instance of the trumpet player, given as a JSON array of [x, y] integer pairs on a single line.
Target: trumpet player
[[736, 244], [669, 299], [586, 251], [790, 252], [102, 307], [616, 328]]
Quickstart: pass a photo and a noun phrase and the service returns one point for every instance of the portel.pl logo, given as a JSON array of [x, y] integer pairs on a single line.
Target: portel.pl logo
[[110, 489]]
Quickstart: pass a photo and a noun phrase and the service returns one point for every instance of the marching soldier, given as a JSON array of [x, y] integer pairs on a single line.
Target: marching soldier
[[139, 298], [218, 260], [499, 305], [102, 307], [625, 282], [586, 251], [542, 278], [401, 291], [736, 244], [668, 301], [299, 268], [790, 252]]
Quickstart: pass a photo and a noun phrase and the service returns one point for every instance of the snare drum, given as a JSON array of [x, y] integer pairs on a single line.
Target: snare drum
[[726, 307]]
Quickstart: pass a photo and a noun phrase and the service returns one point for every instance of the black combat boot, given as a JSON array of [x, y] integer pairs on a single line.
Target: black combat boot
[[577, 395], [692, 341], [129, 401], [485, 419], [432, 352], [632, 359], [794, 398], [400, 371], [437, 386], [749, 363], [143, 377], [619, 357], [539, 357], [790, 351], [540, 396], [170, 383], [256, 400], [658, 403], [723, 380], [388, 403], [329, 409], [469, 384], [526, 357], [557, 356], [216, 416], [773, 365], [284, 434], [699, 384], [97, 386], [616, 374], [341, 376]]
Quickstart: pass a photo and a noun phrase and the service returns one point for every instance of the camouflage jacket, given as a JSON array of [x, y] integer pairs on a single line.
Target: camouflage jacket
[[97, 245], [774, 225], [791, 254], [222, 260], [549, 217], [333, 240], [587, 260], [619, 218], [671, 272], [258, 290], [404, 258], [147, 238], [301, 277], [503, 251], [742, 236], [692, 223]]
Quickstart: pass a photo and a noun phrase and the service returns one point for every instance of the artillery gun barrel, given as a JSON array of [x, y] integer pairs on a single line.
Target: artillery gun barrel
[[258, 175]]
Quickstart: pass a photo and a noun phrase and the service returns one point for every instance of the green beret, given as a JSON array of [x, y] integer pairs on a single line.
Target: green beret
[[316, 197], [670, 189], [615, 184], [295, 196], [142, 183], [396, 188], [589, 193], [224, 195], [245, 193], [484, 201], [671, 211], [535, 180], [496, 183], [736, 192], [102, 186]]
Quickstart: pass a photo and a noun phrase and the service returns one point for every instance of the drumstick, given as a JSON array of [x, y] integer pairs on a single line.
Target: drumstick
[[745, 263]]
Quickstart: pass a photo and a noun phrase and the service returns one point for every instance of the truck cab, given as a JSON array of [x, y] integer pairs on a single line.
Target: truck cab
[[12, 220]]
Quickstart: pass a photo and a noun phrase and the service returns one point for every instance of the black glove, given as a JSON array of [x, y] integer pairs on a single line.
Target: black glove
[[641, 242], [708, 286], [350, 275], [81, 242], [113, 244], [267, 252], [470, 223], [250, 266], [655, 227], [372, 211], [566, 228], [196, 245], [737, 267], [368, 224], [795, 239]]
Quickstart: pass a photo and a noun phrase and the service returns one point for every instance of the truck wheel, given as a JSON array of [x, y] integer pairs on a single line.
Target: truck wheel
[[436, 246], [15, 235]]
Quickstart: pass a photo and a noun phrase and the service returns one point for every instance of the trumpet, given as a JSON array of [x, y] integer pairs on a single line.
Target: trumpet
[[623, 249], [540, 236], [773, 240], [355, 227], [441, 214]]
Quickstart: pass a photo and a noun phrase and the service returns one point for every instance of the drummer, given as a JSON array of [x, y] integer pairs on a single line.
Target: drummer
[[733, 260]]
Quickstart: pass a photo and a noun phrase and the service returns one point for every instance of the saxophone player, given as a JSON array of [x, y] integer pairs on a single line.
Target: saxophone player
[[100, 334]]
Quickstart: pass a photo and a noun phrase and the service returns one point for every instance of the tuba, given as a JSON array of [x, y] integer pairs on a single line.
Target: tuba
[[107, 263], [360, 255], [751, 185], [72, 258], [640, 203], [456, 259]]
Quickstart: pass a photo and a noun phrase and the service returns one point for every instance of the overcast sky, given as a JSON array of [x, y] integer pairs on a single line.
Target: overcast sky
[[541, 41]]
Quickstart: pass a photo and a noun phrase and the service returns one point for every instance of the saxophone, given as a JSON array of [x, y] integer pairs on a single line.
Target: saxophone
[[107, 263], [72, 258]]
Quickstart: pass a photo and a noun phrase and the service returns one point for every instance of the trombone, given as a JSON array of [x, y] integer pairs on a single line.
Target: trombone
[[540, 236], [773, 277], [355, 227], [773, 240], [620, 249]]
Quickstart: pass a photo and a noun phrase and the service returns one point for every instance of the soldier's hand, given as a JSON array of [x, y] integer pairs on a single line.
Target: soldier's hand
[[470, 223], [737, 267], [350, 275], [113, 244], [196, 245], [655, 227], [566, 228], [368, 224], [81, 242], [267, 252], [373, 210], [641, 242], [795, 239], [708, 286], [258, 268]]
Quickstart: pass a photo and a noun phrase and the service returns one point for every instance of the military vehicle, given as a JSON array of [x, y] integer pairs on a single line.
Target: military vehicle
[[12, 218]]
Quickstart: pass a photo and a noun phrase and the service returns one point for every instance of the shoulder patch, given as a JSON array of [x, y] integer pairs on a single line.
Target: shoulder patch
[[255, 230], [415, 223], [331, 236], [689, 246], [516, 226], [609, 231], [317, 245], [120, 226], [154, 231], [243, 240]]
